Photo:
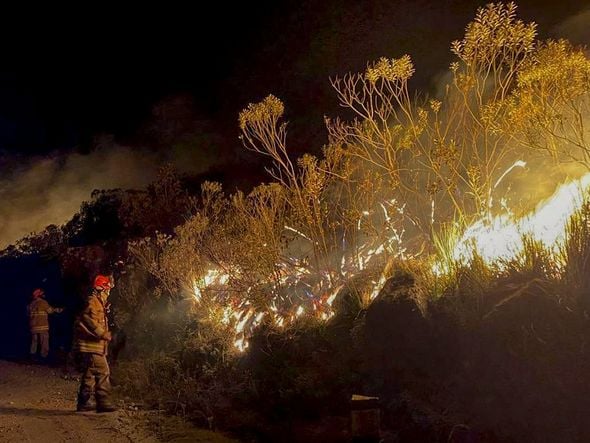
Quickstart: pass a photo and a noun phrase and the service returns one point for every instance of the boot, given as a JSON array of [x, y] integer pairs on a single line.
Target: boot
[[105, 405], [84, 407], [84, 403]]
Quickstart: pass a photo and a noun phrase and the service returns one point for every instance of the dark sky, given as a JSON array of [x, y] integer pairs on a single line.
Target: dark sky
[[66, 75]]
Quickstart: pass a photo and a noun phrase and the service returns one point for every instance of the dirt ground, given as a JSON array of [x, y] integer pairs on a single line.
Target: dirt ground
[[37, 404]]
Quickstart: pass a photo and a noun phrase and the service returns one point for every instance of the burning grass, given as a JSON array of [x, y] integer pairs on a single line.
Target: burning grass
[[389, 182]]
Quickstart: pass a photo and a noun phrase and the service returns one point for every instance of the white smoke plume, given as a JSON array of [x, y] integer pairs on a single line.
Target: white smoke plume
[[44, 191], [575, 28], [37, 192]]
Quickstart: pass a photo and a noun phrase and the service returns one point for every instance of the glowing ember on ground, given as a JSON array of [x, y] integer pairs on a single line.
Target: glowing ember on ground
[[317, 290]]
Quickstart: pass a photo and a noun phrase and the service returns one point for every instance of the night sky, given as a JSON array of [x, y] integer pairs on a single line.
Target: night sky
[[68, 76]]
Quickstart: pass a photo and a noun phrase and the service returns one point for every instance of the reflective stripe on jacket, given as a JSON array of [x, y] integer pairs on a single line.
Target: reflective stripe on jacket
[[39, 310], [91, 326]]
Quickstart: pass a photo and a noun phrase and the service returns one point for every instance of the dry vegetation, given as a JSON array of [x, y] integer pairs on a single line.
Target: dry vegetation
[[394, 190]]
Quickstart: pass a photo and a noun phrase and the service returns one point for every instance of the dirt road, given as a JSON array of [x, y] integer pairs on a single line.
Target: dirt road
[[38, 405]]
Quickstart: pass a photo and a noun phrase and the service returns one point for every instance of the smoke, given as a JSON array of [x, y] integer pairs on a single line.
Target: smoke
[[44, 191], [575, 28], [37, 192]]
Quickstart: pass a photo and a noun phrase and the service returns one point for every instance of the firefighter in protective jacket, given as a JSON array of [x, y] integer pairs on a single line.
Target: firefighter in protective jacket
[[39, 311], [91, 339]]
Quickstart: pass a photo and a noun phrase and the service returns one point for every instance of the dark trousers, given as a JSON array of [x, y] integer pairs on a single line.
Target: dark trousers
[[40, 340], [95, 378]]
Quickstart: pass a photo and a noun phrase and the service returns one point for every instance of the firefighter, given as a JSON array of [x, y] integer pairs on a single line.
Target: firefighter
[[91, 340], [39, 311]]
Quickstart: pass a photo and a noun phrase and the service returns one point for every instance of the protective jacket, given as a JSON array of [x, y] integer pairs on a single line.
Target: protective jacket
[[39, 311], [91, 327]]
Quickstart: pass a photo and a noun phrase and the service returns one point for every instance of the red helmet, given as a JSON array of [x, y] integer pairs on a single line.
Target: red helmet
[[102, 282], [38, 293]]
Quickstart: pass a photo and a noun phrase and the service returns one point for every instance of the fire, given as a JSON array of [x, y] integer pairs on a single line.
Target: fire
[[500, 239], [298, 292]]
